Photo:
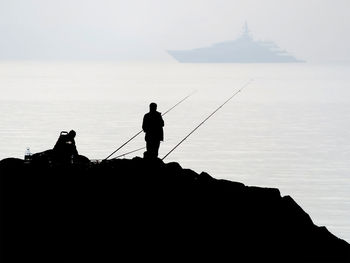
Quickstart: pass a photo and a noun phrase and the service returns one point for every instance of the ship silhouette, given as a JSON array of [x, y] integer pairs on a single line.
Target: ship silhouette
[[242, 50]]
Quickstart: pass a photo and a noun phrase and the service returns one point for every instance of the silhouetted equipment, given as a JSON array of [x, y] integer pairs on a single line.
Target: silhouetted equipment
[[234, 94], [27, 155], [152, 125], [65, 148], [133, 137]]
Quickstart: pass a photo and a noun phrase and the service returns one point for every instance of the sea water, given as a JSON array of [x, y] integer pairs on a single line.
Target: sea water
[[288, 129]]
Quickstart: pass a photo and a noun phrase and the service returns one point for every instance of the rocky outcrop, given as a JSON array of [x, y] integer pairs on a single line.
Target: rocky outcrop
[[138, 210]]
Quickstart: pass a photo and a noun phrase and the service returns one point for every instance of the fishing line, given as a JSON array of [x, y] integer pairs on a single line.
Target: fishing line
[[234, 94]]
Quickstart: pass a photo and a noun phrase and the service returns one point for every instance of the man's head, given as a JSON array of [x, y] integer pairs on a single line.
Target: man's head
[[72, 134], [153, 107]]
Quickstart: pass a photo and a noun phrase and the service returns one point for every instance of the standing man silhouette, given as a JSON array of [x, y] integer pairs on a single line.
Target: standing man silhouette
[[153, 125]]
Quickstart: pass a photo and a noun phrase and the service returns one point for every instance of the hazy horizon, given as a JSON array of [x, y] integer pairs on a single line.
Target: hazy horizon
[[315, 30]]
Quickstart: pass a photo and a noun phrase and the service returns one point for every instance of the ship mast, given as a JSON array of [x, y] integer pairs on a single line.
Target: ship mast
[[245, 29]]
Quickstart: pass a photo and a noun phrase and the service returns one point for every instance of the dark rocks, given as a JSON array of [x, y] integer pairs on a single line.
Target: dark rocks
[[148, 210]]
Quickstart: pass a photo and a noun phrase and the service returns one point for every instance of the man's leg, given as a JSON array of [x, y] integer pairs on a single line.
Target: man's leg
[[152, 148], [156, 148]]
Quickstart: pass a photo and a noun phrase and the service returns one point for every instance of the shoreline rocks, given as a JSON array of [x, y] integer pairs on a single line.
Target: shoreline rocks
[[149, 210]]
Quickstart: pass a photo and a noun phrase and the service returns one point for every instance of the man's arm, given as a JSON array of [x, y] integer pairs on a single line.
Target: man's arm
[[144, 123], [161, 121]]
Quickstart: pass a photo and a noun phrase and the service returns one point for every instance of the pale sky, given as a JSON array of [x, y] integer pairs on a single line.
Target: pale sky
[[313, 30]]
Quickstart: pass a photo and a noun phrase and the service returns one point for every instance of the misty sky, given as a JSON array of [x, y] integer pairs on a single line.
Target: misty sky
[[314, 30]]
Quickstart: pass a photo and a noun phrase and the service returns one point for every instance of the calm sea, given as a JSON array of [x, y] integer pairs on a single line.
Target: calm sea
[[288, 129]]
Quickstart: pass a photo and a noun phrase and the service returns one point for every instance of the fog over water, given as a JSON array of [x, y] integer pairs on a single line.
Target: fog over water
[[94, 66], [288, 129], [313, 30]]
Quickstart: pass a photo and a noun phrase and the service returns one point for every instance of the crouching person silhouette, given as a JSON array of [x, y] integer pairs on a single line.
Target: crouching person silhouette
[[153, 125], [64, 152], [65, 149]]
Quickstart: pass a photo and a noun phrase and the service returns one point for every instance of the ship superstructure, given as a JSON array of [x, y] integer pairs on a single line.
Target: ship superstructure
[[242, 50]]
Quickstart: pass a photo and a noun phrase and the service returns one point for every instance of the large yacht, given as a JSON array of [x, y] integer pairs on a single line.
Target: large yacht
[[242, 50]]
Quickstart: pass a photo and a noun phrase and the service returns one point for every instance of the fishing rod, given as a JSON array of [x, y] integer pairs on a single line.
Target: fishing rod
[[139, 149], [133, 137], [218, 108]]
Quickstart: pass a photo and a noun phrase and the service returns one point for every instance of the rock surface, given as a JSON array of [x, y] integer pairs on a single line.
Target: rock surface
[[148, 210]]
